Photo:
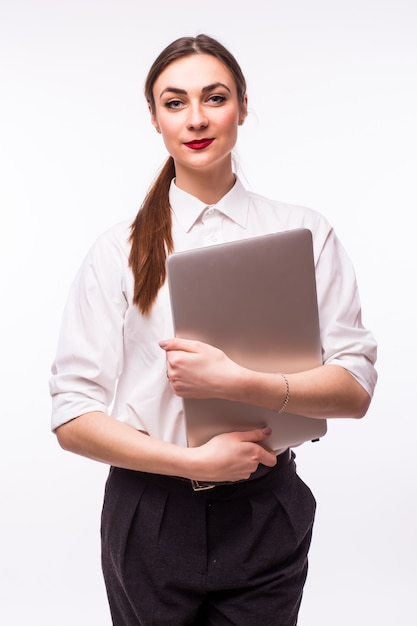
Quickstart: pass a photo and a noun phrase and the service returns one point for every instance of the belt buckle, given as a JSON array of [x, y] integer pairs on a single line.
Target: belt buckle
[[197, 486]]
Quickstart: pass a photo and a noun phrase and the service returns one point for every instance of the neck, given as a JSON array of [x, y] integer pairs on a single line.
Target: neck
[[209, 187]]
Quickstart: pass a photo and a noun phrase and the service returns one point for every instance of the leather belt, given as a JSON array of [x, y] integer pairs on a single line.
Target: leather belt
[[282, 459]]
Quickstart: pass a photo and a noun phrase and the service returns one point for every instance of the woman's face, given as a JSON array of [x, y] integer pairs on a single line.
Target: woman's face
[[198, 112]]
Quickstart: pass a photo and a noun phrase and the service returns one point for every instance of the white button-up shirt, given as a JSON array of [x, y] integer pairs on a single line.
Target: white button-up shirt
[[108, 358]]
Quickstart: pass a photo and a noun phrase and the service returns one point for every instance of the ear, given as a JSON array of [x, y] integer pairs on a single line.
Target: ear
[[244, 110], [154, 121]]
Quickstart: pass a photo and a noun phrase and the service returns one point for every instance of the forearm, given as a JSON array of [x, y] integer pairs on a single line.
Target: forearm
[[328, 391], [100, 437], [231, 456], [198, 370]]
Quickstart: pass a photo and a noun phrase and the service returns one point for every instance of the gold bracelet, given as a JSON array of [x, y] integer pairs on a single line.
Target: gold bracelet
[[287, 394]]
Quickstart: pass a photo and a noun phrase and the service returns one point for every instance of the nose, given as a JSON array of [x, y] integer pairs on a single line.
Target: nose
[[197, 118]]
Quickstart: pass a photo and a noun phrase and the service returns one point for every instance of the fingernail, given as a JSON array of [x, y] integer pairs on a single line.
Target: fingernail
[[163, 343], [267, 430]]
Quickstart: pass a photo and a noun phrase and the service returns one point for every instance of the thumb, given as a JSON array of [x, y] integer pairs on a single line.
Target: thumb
[[176, 343], [267, 456], [258, 434]]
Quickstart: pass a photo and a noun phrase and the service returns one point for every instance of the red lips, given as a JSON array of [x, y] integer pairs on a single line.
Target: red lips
[[198, 144]]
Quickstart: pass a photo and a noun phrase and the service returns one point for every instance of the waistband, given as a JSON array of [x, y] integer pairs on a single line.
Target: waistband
[[262, 481], [282, 460]]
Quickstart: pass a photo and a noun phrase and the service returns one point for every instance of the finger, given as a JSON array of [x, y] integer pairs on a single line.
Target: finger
[[177, 343], [268, 458], [255, 435]]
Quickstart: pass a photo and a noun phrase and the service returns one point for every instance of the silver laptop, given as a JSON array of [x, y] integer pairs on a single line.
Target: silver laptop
[[256, 300]]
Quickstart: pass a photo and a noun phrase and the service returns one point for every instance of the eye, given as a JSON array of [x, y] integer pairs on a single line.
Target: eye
[[173, 104], [217, 98]]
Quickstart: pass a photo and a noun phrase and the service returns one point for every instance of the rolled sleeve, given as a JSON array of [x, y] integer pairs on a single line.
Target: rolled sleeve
[[89, 355], [345, 340]]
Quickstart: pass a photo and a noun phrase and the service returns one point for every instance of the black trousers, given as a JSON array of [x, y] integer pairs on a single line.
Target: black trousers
[[233, 555]]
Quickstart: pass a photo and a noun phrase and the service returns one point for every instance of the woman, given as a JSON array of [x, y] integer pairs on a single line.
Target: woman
[[235, 553]]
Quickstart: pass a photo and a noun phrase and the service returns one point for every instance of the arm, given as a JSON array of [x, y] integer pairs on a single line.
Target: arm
[[198, 370], [90, 358], [232, 456], [342, 387]]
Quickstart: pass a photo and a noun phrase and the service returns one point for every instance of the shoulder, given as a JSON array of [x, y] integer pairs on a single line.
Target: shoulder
[[107, 258], [286, 215], [285, 208], [105, 270], [113, 241]]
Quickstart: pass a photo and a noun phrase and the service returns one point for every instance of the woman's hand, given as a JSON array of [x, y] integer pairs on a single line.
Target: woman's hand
[[198, 370], [231, 456]]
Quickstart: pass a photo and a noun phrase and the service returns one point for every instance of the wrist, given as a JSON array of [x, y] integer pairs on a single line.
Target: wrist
[[269, 390], [238, 384], [193, 466], [286, 396]]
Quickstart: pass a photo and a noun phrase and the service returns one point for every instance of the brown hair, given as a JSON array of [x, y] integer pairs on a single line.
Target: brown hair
[[151, 237]]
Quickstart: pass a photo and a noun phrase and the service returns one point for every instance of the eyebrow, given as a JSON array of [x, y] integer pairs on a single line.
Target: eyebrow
[[183, 92]]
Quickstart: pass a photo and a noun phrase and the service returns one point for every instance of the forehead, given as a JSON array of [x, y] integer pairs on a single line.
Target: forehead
[[194, 72]]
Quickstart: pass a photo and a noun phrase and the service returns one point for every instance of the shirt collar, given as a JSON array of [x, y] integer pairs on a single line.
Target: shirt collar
[[188, 208]]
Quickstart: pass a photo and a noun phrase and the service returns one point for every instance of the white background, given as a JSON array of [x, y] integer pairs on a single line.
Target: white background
[[332, 125]]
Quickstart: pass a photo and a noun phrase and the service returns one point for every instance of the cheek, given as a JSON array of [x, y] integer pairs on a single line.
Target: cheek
[[170, 126], [229, 123]]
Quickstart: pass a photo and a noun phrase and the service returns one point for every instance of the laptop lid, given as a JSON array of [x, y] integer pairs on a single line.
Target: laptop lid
[[256, 300]]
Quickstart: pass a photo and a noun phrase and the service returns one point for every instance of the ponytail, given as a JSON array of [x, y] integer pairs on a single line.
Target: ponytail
[[151, 240]]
